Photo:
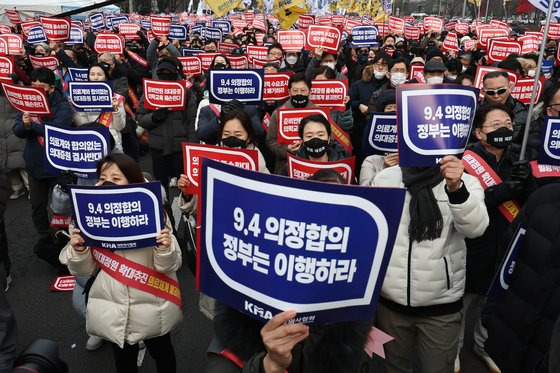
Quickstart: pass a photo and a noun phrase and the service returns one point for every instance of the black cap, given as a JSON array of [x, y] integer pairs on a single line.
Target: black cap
[[434, 65]]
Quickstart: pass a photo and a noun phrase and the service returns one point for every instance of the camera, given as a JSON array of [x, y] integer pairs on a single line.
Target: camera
[[40, 356]]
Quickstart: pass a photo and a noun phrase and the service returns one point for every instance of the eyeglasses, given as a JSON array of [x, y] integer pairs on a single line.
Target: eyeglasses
[[499, 124], [493, 92], [301, 91]]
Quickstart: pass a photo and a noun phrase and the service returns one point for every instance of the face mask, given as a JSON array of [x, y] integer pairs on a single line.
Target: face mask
[[463, 69], [500, 138], [291, 60], [299, 101], [316, 147], [234, 142], [379, 74], [362, 58], [398, 78], [220, 66], [167, 76], [452, 77], [105, 183], [330, 64], [435, 80], [532, 73]]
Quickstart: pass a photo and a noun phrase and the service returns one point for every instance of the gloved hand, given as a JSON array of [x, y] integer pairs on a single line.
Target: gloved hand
[[515, 186], [64, 179], [521, 171], [160, 115], [230, 106]]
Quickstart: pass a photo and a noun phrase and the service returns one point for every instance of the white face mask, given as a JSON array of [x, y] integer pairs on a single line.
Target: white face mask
[[398, 78], [463, 69], [452, 77], [291, 59], [532, 73], [379, 74], [435, 80], [330, 64]]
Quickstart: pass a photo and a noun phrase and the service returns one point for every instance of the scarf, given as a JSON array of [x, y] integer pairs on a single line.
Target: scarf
[[426, 222]]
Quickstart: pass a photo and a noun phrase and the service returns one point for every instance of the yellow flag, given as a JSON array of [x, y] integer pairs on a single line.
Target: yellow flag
[[221, 7], [287, 17], [344, 4], [285, 4]]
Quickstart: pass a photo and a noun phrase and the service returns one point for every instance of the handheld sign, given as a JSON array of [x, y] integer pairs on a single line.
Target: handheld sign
[[111, 43], [193, 154], [329, 93], [523, 90], [417, 72], [305, 21], [191, 65], [178, 32], [91, 96], [226, 48], [210, 33], [56, 29], [486, 34], [364, 36], [396, 25], [13, 43], [244, 85], [256, 52], [76, 149], [529, 44], [50, 62], [26, 26], [97, 21], [262, 260], [549, 153], [76, 36], [303, 169], [481, 71], [239, 62], [223, 25], [291, 40], [433, 23], [451, 43], [36, 34], [289, 119], [206, 59], [6, 65], [78, 74], [27, 99], [499, 50], [160, 25], [326, 37], [129, 30], [13, 16], [164, 94], [380, 135], [276, 86], [118, 217], [412, 33], [433, 121]]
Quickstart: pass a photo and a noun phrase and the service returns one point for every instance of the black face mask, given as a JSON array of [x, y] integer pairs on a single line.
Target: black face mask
[[299, 101], [234, 142], [316, 147], [500, 138], [362, 58], [220, 66], [167, 76], [106, 183]]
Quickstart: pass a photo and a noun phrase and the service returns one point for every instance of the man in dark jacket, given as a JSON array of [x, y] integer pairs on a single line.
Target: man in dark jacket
[[41, 183]]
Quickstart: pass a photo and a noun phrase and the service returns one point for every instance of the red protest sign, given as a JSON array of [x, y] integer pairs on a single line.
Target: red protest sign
[[238, 23], [305, 21], [382, 29], [499, 50], [109, 43], [299, 168], [338, 19], [63, 283], [160, 25], [450, 42], [498, 24], [56, 29], [485, 34], [469, 44], [350, 24], [226, 48], [25, 26], [535, 33], [553, 31], [193, 154], [412, 33], [323, 37], [164, 94], [13, 16], [191, 65], [255, 51], [325, 21], [30, 100], [276, 86], [291, 40], [249, 17], [259, 64], [483, 70], [329, 93], [544, 170], [50, 62], [5, 29], [396, 25], [523, 90], [450, 26], [417, 71], [529, 43], [288, 122], [433, 23], [239, 62], [14, 44], [129, 30], [206, 59], [462, 28], [6, 65]]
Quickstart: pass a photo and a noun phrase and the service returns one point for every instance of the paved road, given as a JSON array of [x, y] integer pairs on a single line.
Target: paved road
[[41, 313]]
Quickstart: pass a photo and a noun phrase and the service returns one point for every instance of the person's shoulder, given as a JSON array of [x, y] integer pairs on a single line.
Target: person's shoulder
[[388, 177]]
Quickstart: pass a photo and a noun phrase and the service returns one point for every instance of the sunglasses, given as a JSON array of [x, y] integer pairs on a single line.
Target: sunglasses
[[493, 92]]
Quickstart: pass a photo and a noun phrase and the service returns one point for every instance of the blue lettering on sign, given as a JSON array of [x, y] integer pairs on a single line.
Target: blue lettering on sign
[[381, 135], [190, 52], [76, 36], [550, 144], [36, 35], [265, 248], [197, 29], [146, 25], [364, 36], [244, 85], [547, 66], [503, 276], [116, 20], [225, 26], [178, 32], [78, 74], [433, 121], [118, 217], [96, 21], [77, 149], [210, 33], [91, 96]]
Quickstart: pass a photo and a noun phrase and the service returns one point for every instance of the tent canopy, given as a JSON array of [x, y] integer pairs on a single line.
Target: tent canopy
[[30, 8]]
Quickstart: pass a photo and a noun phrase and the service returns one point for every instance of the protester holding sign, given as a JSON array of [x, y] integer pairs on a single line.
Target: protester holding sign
[[121, 314], [322, 58], [341, 117], [160, 47]]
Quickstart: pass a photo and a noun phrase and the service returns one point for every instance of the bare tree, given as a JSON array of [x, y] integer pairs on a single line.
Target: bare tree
[[451, 8]]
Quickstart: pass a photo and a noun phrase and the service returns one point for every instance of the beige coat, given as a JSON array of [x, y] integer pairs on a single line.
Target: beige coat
[[119, 313]]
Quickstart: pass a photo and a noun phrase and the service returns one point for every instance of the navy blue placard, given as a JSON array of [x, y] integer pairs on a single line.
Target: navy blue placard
[[547, 66], [198, 29], [36, 35], [364, 36], [78, 74], [146, 24], [76, 36], [120, 19], [246, 86], [223, 25], [118, 217], [433, 121], [549, 153], [96, 21], [271, 243], [91, 96], [190, 52], [75, 149], [210, 33], [380, 136], [178, 32], [503, 276]]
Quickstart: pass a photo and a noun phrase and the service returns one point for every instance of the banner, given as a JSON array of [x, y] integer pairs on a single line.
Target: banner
[[56, 29], [36, 35], [91, 96], [523, 90], [323, 37], [78, 74], [503, 277], [118, 217], [76, 149], [6, 65], [111, 43], [364, 36], [178, 32], [244, 85], [137, 58], [276, 87], [160, 25], [433, 24], [291, 40], [396, 25], [329, 93], [433, 121], [191, 65], [164, 94], [96, 21], [483, 70], [262, 260], [192, 160], [303, 169], [27, 99], [544, 5], [499, 50], [221, 7], [13, 16], [289, 119], [451, 43], [380, 135], [549, 153]]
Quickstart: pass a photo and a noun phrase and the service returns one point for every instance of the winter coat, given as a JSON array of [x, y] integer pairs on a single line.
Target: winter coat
[[178, 127], [152, 55], [432, 273], [34, 153], [122, 314], [115, 127], [11, 146], [520, 322], [370, 167], [344, 118]]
